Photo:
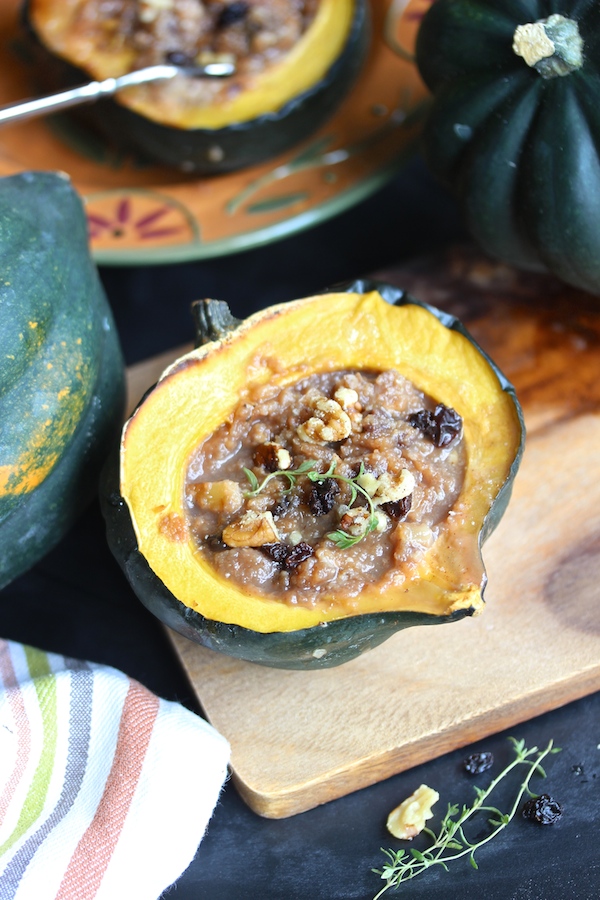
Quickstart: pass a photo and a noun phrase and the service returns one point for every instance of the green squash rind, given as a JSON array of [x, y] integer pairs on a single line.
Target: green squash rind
[[52, 278], [212, 151], [322, 646], [342, 639], [521, 152]]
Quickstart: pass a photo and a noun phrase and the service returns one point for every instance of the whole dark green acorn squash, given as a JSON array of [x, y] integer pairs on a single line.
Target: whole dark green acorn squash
[[61, 369], [254, 115], [366, 326], [515, 127]]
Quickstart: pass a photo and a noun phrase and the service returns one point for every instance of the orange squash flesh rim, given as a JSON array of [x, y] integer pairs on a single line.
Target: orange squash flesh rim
[[266, 92], [283, 344]]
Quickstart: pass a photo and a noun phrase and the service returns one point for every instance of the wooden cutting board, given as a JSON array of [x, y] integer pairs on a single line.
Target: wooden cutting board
[[300, 739]]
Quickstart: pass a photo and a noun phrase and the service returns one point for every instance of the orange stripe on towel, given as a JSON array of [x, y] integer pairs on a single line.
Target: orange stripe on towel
[[93, 853]]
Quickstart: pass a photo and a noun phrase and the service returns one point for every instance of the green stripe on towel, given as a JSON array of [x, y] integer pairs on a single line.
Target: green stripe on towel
[[45, 686]]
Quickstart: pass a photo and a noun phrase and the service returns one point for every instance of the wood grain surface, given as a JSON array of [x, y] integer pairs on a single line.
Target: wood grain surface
[[300, 739]]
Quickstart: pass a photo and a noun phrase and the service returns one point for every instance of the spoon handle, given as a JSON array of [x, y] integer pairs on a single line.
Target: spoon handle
[[88, 93]]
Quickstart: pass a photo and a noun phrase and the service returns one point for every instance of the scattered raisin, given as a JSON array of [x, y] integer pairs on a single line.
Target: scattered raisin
[[282, 505], [321, 498], [286, 556], [298, 554], [233, 13], [398, 509], [441, 426], [178, 58], [271, 457], [543, 809], [476, 763], [277, 552]]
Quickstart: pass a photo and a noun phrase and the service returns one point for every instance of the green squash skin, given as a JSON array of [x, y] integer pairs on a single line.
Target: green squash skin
[[521, 152], [341, 639], [213, 151], [49, 279]]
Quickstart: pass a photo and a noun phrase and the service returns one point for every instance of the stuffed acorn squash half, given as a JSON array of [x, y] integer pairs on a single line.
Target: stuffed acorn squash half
[[294, 62], [311, 480]]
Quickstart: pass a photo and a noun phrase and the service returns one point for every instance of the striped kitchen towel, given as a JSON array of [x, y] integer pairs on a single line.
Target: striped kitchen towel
[[105, 789]]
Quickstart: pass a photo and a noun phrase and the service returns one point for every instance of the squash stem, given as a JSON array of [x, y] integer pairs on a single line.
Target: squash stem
[[213, 321], [552, 46]]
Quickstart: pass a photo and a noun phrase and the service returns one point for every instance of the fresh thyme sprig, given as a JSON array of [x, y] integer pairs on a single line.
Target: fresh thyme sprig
[[403, 865], [340, 537], [257, 486], [308, 468]]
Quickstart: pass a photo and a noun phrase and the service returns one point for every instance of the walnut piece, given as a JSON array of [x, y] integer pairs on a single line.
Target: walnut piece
[[408, 819], [346, 397], [387, 488], [272, 456], [252, 530], [218, 496], [330, 423], [356, 520]]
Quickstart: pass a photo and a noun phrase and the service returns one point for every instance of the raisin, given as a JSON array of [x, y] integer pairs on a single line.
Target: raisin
[[476, 763], [271, 457], [321, 498], [441, 425], [298, 554], [286, 556], [277, 552], [233, 13], [281, 506], [543, 809], [398, 509], [178, 58]]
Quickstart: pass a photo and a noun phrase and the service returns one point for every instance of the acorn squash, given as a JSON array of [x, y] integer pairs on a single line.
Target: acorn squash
[[277, 97], [367, 328], [514, 128], [61, 369]]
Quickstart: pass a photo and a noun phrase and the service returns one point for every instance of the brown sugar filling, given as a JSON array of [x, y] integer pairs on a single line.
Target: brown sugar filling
[[253, 33], [312, 491]]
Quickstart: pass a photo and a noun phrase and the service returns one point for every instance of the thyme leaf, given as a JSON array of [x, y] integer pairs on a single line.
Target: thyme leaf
[[308, 468], [343, 540], [257, 486], [402, 866]]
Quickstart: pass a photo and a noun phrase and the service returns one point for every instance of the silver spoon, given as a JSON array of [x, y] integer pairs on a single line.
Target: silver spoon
[[87, 93]]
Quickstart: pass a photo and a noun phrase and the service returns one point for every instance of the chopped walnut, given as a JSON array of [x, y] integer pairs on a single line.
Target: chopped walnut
[[330, 423], [346, 397], [252, 530], [388, 488], [224, 497], [356, 520], [272, 456], [348, 400], [408, 819]]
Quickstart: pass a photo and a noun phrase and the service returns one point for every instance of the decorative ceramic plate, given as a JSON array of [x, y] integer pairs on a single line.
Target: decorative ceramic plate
[[140, 214]]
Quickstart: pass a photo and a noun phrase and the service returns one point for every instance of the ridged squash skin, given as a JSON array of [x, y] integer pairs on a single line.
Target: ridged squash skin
[[61, 368], [239, 139], [517, 142], [328, 332]]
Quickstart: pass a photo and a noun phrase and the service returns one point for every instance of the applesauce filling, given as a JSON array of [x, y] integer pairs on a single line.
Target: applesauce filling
[[253, 34], [309, 492]]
